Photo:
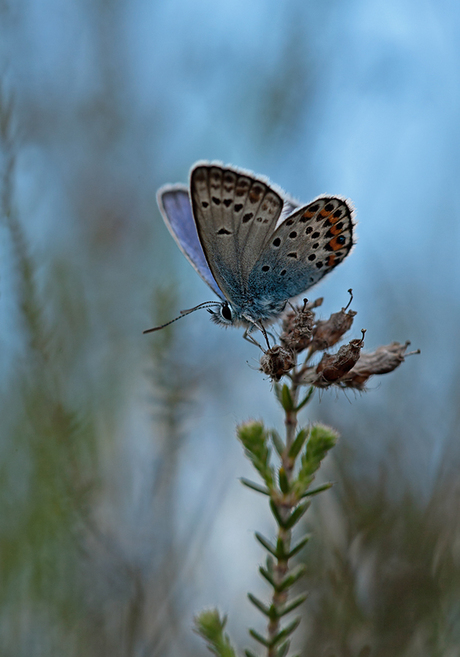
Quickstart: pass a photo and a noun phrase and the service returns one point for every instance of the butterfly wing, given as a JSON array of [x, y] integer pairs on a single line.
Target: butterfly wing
[[176, 210], [305, 247], [235, 214], [288, 208]]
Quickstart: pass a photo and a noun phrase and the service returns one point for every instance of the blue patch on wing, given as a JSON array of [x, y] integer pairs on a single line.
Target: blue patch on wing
[[175, 206]]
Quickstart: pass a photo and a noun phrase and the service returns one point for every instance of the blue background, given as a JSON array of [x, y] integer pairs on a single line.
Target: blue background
[[110, 100]]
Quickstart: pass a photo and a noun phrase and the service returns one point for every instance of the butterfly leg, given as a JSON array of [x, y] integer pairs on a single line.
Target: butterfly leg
[[247, 334], [248, 337], [271, 335], [262, 328]]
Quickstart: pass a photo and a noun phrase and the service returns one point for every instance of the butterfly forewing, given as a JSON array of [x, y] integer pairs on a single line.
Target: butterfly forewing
[[235, 214], [307, 245], [258, 217]]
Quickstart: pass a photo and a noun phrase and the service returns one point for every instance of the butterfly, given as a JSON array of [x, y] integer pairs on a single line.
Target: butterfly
[[251, 243]]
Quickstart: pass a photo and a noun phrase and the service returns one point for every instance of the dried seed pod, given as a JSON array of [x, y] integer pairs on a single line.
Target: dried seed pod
[[333, 367], [297, 328], [381, 361], [327, 333], [277, 361]]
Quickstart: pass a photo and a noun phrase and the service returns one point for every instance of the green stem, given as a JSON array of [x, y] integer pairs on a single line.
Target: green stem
[[284, 506]]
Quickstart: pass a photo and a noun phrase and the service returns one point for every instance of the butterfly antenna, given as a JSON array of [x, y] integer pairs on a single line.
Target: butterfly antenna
[[205, 304], [183, 313]]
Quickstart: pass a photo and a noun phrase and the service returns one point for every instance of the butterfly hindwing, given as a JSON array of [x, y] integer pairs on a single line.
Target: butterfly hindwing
[[305, 247]]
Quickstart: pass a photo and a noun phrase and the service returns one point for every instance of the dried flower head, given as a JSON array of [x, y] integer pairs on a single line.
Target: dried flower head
[[277, 361], [347, 368], [297, 327], [327, 333], [381, 361], [333, 367]]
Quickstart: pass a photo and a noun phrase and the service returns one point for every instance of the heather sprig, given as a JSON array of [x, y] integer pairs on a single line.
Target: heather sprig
[[287, 466]]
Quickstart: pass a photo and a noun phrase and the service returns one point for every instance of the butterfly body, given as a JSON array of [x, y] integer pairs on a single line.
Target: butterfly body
[[251, 243]]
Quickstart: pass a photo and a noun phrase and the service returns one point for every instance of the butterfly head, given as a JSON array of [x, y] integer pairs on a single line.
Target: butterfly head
[[250, 316], [224, 315]]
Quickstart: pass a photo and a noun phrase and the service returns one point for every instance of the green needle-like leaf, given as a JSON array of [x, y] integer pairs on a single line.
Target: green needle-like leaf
[[277, 388], [291, 578], [286, 399], [266, 544], [283, 650], [298, 443], [258, 637], [260, 605], [270, 564], [319, 489], [277, 442], [286, 631], [280, 552], [254, 486], [283, 480], [292, 605], [306, 399], [302, 542], [276, 513], [296, 515], [267, 576]]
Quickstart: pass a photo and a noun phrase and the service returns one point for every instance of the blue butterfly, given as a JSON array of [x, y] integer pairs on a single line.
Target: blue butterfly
[[254, 246]]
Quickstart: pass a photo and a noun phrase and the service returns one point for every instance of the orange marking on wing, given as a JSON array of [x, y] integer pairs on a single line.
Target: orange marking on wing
[[335, 231], [325, 213], [334, 244], [308, 215], [331, 261]]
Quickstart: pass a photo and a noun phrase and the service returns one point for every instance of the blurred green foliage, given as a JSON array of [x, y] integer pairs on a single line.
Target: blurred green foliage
[[91, 560], [384, 565]]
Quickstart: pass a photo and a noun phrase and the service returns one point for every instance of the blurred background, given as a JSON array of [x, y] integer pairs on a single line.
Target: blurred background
[[121, 511]]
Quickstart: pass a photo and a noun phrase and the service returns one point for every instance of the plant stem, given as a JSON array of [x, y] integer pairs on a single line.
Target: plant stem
[[290, 422], [284, 505]]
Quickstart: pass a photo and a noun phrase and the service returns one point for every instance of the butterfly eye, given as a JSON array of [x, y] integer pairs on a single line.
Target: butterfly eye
[[226, 312]]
